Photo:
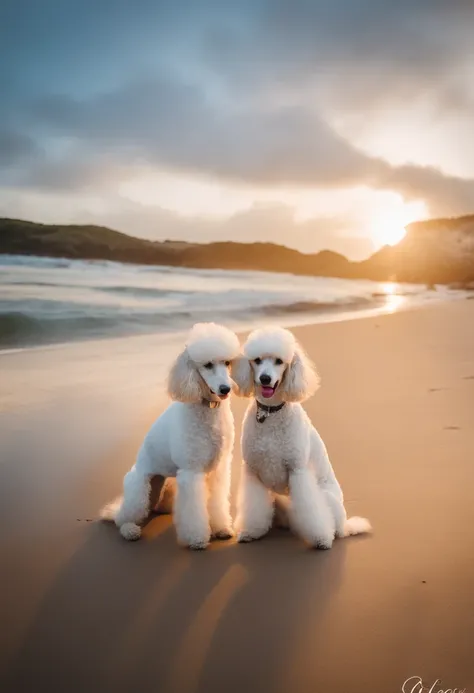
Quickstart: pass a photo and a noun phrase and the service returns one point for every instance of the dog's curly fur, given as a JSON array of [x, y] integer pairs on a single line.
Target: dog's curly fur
[[284, 454], [190, 441]]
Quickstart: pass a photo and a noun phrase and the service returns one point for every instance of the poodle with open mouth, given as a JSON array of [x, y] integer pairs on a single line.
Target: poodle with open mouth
[[284, 455], [193, 441]]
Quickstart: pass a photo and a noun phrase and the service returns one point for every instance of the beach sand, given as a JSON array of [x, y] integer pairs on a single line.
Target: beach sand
[[82, 610]]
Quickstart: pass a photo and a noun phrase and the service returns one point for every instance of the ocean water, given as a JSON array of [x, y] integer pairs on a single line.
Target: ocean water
[[47, 301]]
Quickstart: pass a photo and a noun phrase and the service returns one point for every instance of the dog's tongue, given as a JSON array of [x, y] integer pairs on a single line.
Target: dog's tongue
[[267, 391]]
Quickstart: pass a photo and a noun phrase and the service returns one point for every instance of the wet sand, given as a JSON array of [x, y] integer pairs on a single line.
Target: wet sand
[[82, 610]]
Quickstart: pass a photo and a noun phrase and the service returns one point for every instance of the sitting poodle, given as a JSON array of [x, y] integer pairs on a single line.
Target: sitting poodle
[[282, 451], [192, 440]]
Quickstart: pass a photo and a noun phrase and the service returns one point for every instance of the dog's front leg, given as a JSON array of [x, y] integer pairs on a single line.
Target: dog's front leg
[[255, 507], [219, 503], [310, 514], [190, 515]]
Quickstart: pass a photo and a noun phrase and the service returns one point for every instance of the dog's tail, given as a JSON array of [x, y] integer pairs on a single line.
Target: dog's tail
[[109, 511], [356, 525]]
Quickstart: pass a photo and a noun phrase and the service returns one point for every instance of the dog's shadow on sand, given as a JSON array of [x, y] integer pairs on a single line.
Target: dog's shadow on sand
[[151, 616]]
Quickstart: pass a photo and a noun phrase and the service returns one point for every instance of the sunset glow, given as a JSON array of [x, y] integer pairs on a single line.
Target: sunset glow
[[390, 233], [388, 225], [219, 123]]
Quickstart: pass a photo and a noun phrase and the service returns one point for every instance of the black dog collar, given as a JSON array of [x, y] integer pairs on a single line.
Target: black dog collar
[[211, 404], [264, 411]]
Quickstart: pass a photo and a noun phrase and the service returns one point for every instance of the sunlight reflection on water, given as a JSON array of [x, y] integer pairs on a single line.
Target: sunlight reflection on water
[[394, 301]]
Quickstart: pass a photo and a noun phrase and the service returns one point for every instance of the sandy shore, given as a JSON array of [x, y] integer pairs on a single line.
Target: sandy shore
[[82, 610]]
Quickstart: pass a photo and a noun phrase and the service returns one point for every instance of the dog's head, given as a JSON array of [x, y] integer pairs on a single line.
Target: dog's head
[[274, 368], [202, 369]]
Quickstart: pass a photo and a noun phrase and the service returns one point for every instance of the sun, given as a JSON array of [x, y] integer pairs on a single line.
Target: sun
[[390, 233], [388, 223]]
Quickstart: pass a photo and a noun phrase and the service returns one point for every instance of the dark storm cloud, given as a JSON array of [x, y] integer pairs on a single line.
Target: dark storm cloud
[[240, 90]]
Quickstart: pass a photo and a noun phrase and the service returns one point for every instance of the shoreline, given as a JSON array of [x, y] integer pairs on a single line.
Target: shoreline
[[394, 303], [42, 308]]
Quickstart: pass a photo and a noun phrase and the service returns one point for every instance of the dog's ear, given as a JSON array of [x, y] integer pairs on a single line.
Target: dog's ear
[[300, 380], [184, 383], [242, 375]]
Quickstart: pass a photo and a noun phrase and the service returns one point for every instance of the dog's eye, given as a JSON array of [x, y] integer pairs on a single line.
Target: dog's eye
[[227, 363], [208, 366], [257, 361], [278, 362]]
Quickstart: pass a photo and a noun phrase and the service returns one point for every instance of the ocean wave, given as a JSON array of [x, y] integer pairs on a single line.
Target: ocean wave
[[35, 261], [50, 300], [146, 291], [23, 329], [29, 328], [315, 306]]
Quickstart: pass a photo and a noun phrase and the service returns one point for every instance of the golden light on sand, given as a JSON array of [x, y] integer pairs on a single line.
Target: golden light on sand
[[387, 224]]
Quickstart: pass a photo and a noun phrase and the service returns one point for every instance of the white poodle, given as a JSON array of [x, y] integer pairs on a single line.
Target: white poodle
[[193, 441], [283, 453]]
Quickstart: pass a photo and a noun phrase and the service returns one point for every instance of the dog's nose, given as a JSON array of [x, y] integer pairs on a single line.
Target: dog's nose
[[224, 390], [265, 379]]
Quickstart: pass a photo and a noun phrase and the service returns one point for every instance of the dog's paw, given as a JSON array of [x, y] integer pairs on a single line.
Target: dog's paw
[[224, 533], [323, 543], [196, 541], [198, 545], [246, 537], [130, 531]]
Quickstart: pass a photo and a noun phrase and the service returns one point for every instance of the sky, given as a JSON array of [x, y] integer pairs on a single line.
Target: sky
[[309, 123]]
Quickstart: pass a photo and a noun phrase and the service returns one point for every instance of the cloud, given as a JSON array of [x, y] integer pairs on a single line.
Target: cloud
[[247, 91], [16, 148], [172, 125], [358, 54]]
